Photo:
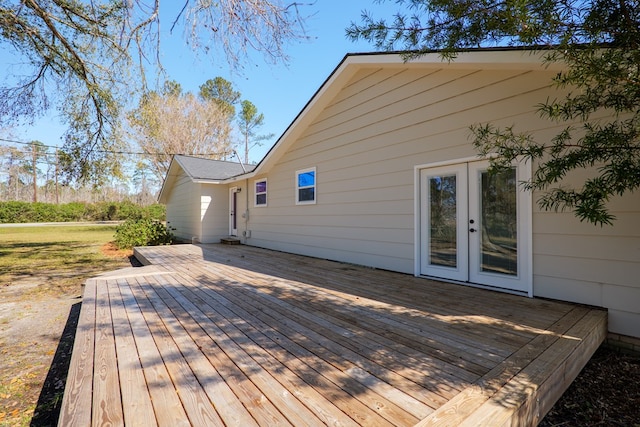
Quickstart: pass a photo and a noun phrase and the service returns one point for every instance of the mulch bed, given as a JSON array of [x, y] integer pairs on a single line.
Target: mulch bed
[[606, 393]]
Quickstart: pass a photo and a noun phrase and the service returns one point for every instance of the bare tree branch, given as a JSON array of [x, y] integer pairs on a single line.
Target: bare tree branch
[[91, 57]]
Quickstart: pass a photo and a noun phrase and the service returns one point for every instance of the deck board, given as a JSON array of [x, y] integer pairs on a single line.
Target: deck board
[[136, 401], [78, 393], [234, 335], [106, 380]]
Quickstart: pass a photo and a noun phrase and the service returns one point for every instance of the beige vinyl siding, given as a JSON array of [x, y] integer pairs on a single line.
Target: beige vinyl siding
[[594, 265], [214, 212], [365, 145], [184, 208], [367, 132]]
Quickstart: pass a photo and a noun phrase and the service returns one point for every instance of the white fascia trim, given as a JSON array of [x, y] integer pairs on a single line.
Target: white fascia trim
[[238, 178], [483, 59], [417, 168], [206, 181]]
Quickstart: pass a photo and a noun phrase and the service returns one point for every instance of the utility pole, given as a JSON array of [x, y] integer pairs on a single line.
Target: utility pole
[[57, 200], [34, 167]]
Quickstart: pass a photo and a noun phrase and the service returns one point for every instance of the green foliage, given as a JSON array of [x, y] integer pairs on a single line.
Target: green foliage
[[172, 88], [70, 212], [220, 91], [142, 232], [11, 212], [24, 212], [249, 121], [598, 41], [156, 211]]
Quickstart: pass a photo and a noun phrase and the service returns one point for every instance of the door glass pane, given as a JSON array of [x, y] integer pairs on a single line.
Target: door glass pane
[[442, 221], [499, 247], [233, 210]]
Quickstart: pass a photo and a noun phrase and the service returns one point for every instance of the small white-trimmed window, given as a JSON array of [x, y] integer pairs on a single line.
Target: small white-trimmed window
[[306, 186], [260, 188]]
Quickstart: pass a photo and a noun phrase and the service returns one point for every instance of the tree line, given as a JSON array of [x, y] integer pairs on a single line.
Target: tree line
[[87, 58], [31, 172], [214, 123]]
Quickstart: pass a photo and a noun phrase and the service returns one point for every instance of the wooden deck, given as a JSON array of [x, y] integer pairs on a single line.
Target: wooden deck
[[237, 336]]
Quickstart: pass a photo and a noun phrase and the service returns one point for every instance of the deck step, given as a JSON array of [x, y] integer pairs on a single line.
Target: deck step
[[231, 240]]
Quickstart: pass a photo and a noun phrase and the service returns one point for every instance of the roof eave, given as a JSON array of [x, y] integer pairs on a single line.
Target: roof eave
[[207, 181]]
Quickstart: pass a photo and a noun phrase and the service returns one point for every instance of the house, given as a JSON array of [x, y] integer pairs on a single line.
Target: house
[[198, 200], [378, 169]]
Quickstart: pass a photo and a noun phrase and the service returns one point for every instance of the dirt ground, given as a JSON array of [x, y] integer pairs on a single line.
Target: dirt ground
[[29, 335], [36, 338], [37, 327]]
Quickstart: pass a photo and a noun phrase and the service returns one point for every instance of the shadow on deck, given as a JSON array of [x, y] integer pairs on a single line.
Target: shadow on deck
[[235, 335]]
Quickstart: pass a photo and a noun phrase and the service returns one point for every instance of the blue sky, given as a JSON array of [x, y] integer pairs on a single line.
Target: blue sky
[[278, 91]]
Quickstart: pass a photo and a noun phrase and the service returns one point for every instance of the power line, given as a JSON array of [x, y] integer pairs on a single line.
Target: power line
[[26, 143], [128, 153]]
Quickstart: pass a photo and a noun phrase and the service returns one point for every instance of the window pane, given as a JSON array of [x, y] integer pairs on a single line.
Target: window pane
[[261, 199], [443, 224], [307, 179], [261, 187], [306, 194], [499, 223]]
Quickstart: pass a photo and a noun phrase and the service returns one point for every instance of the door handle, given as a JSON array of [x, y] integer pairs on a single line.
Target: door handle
[[473, 230]]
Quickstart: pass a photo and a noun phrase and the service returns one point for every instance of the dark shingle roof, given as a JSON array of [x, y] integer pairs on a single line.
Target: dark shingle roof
[[207, 169]]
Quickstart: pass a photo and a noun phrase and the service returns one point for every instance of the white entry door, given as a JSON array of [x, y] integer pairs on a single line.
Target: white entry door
[[475, 226], [233, 209]]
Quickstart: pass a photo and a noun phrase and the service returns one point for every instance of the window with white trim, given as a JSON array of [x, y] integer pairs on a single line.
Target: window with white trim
[[306, 186], [260, 188]]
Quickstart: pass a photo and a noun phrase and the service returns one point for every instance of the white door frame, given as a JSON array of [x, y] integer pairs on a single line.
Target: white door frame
[[233, 211], [524, 281]]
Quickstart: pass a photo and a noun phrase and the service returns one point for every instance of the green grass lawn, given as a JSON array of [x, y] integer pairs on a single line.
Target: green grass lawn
[[61, 255]]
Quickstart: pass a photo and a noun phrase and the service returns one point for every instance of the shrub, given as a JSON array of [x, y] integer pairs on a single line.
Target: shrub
[[142, 232], [128, 210], [74, 211], [43, 212], [156, 211], [102, 211], [21, 212], [13, 212]]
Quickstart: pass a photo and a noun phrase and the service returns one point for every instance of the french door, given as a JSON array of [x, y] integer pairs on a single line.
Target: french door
[[475, 226]]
